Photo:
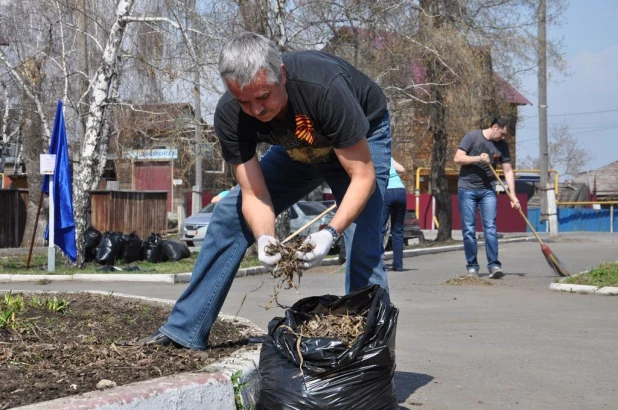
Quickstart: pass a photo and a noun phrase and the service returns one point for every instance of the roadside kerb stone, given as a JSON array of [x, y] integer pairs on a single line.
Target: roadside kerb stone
[[572, 288], [211, 389], [589, 289], [608, 291], [185, 277], [592, 290], [10, 278]]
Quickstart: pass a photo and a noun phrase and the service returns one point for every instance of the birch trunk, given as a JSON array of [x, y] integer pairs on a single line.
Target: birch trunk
[[33, 146], [88, 177]]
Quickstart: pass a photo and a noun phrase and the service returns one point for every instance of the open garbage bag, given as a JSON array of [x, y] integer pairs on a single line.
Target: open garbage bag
[[334, 376]]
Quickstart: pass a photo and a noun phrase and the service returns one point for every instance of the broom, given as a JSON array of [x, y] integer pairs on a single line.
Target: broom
[[552, 260]]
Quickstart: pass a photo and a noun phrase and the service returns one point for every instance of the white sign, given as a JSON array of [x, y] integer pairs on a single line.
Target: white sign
[[48, 164], [164, 153], [177, 182]]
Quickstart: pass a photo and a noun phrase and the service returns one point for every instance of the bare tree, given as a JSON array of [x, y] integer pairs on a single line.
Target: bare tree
[[566, 153], [145, 51]]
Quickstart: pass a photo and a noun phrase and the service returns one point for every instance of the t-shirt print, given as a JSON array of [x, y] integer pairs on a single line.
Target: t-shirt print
[[304, 143]]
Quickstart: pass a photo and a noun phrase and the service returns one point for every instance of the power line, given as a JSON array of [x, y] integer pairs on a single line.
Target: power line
[[574, 113], [595, 130]]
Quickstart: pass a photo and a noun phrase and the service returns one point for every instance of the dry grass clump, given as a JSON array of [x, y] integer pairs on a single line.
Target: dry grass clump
[[287, 267], [346, 328], [467, 281]]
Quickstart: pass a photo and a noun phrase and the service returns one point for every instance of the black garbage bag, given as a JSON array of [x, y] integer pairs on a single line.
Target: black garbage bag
[[175, 250], [334, 376], [152, 248], [109, 248], [132, 248], [92, 237]]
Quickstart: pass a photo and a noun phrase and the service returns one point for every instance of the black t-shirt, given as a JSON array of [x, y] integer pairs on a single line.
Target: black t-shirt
[[330, 105], [479, 176]]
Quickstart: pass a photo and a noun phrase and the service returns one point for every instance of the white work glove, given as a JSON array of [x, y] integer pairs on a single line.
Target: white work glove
[[323, 241], [268, 260]]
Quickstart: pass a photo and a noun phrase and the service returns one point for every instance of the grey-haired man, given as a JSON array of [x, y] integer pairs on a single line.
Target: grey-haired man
[[326, 122]]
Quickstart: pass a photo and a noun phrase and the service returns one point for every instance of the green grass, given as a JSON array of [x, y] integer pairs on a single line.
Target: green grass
[[606, 274], [38, 266]]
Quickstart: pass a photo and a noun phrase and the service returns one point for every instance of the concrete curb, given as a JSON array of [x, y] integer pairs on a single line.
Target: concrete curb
[[592, 290], [214, 388], [175, 278]]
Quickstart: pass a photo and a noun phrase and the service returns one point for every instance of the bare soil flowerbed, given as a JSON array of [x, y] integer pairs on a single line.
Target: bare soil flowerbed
[[53, 346]]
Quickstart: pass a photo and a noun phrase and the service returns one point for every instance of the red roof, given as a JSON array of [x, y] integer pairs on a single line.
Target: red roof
[[508, 92]]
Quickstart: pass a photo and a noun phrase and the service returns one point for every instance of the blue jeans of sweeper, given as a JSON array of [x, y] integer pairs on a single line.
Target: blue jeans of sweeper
[[485, 200], [228, 235]]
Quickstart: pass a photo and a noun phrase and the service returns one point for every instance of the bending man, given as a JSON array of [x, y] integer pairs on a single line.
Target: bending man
[[326, 121]]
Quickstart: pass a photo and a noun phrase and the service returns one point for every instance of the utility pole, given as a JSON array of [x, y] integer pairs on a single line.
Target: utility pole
[[548, 198], [542, 78], [196, 194]]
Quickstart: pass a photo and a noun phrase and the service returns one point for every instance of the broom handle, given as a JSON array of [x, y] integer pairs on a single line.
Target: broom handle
[[538, 238], [299, 230]]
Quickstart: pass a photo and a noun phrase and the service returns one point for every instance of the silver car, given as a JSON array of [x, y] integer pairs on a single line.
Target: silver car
[[194, 228], [303, 212]]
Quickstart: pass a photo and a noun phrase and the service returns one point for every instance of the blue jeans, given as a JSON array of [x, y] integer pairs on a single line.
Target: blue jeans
[[228, 235], [486, 201], [395, 208]]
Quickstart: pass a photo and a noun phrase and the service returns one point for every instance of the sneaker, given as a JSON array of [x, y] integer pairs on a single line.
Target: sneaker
[[495, 272], [473, 272]]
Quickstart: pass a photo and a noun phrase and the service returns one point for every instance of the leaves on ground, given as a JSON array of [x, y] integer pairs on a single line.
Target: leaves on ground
[[53, 346]]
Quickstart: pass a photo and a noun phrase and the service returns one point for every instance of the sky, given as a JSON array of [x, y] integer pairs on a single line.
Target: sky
[[590, 39]]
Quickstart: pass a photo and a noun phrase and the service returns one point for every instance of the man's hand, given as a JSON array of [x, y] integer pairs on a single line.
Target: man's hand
[[515, 204], [268, 259], [322, 242], [484, 158]]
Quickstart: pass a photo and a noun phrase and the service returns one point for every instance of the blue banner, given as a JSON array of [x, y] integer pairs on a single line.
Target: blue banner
[[64, 222]]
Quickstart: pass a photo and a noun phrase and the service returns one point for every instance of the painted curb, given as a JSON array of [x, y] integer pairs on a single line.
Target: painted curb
[[572, 288], [608, 291], [592, 290], [212, 389]]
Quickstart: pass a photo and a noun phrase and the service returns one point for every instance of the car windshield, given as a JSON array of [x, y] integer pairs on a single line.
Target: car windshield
[[207, 209], [312, 208]]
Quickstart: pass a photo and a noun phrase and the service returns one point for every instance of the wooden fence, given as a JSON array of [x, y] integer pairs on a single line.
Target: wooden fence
[[126, 211], [119, 211], [13, 211]]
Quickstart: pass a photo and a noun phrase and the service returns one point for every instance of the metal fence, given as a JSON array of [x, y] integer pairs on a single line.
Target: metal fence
[[578, 220]]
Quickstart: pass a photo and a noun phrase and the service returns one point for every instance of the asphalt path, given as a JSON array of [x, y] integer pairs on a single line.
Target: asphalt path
[[515, 344]]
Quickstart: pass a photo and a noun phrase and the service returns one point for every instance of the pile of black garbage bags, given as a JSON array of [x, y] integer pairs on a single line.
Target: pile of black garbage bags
[[108, 248]]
